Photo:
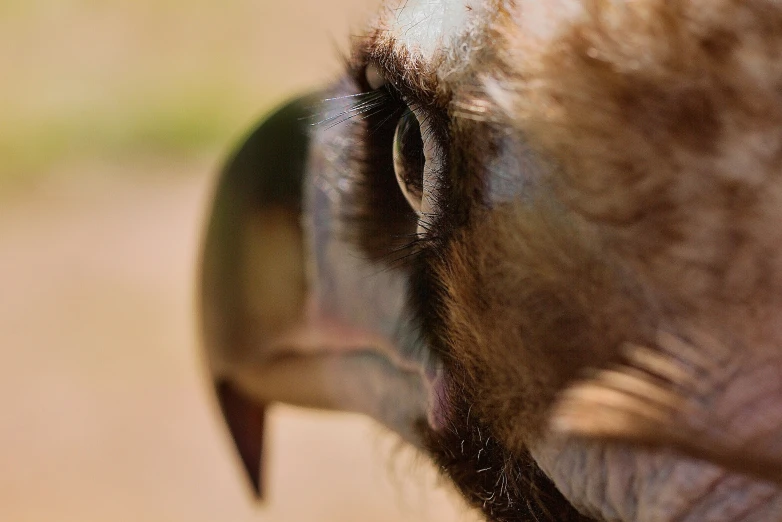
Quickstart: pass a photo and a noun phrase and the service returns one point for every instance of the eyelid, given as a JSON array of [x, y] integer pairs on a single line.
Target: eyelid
[[435, 154], [409, 74], [403, 75]]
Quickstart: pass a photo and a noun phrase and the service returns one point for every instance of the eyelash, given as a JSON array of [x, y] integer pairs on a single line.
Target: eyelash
[[359, 105], [376, 215]]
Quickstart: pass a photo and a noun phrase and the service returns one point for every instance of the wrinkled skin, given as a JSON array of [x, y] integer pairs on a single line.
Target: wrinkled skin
[[571, 302]]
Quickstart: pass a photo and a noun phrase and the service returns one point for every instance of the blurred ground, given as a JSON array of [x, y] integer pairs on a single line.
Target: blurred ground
[[115, 117]]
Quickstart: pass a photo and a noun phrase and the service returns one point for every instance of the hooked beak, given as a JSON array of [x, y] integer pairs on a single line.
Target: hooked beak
[[289, 312], [254, 224]]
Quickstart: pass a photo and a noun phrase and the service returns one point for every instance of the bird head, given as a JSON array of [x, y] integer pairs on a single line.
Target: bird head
[[535, 240]]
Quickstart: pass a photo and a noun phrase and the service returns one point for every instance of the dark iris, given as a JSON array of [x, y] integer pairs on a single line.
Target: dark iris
[[381, 220], [409, 159]]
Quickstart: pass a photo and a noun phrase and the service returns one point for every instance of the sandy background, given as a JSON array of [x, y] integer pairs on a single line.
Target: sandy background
[[114, 117]]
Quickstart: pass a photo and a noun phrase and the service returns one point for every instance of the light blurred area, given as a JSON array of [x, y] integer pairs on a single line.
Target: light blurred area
[[115, 117]]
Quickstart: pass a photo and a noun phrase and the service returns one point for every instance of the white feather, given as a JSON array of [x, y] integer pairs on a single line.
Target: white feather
[[426, 26]]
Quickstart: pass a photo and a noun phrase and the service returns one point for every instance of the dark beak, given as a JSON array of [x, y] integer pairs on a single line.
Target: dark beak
[[259, 196], [245, 421], [291, 311]]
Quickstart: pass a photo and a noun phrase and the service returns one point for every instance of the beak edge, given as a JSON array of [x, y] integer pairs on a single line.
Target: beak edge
[[245, 420]]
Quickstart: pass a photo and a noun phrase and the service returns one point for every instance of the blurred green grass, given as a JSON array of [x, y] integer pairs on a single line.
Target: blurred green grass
[[90, 82], [159, 124]]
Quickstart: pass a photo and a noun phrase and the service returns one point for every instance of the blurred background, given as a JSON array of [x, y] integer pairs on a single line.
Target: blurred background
[[114, 118]]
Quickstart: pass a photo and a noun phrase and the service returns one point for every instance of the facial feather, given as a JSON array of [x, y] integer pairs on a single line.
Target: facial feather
[[592, 303]]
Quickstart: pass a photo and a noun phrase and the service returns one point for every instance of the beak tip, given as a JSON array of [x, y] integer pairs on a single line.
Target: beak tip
[[254, 470], [257, 486], [245, 420]]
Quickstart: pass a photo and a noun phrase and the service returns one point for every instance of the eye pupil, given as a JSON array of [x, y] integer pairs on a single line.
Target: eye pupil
[[409, 159]]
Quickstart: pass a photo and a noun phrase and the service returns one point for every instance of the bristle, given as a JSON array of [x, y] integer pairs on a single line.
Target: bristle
[[506, 487]]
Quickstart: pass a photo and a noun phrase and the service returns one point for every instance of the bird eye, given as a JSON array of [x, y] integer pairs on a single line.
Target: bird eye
[[409, 159]]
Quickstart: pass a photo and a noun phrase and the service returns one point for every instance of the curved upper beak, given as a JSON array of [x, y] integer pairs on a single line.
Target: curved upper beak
[[252, 275], [289, 312]]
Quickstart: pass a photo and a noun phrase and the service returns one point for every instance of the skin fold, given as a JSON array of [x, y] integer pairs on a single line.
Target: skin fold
[[561, 282]]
